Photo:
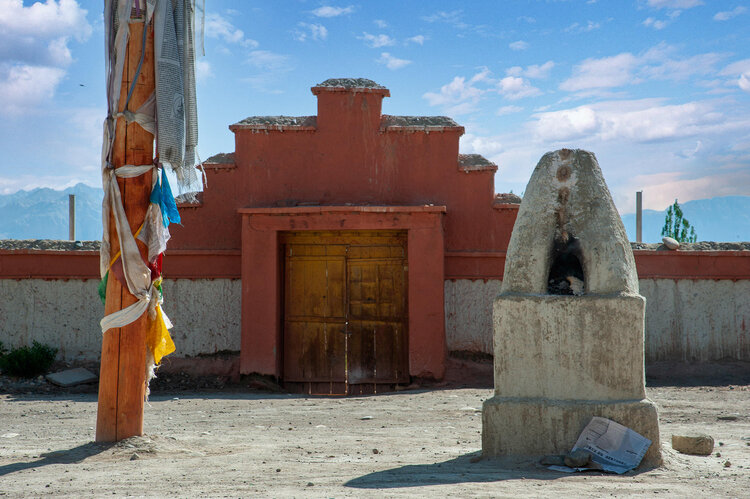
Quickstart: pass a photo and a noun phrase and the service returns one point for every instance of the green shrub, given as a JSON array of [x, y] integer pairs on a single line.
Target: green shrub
[[27, 362]]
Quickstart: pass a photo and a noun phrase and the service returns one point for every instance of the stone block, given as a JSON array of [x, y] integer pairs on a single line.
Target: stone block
[[72, 377], [569, 347], [696, 445]]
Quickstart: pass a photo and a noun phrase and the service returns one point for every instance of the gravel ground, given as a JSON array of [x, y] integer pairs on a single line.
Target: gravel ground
[[415, 443]]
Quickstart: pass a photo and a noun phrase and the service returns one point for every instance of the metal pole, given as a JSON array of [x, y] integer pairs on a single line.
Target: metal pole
[[72, 217], [639, 216]]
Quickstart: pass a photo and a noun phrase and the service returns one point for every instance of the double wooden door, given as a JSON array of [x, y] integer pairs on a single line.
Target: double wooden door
[[345, 311]]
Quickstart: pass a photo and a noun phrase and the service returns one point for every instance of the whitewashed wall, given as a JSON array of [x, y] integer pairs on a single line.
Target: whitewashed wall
[[697, 320], [66, 313], [686, 320], [468, 314]]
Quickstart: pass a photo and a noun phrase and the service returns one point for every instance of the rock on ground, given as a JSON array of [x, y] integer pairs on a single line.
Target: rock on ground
[[696, 445]]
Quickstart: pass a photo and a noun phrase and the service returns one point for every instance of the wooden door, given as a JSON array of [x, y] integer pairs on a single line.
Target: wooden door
[[345, 311]]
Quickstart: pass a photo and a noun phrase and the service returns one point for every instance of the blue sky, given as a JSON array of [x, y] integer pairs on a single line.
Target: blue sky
[[658, 89]]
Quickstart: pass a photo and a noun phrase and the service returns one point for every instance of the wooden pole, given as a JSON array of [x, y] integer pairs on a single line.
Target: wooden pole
[[122, 378]]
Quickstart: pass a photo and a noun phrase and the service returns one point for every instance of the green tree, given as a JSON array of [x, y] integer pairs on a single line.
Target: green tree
[[677, 227]]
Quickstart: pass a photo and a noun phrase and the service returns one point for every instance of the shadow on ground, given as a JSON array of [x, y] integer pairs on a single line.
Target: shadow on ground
[[721, 373], [463, 469], [68, 456]]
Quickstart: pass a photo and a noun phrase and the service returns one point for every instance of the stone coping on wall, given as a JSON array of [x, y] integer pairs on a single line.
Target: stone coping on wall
[[48, 245], [641, 248], [475, 163], [699, 246], [390, 123], [277, 123], [352, 85], [222, 158]]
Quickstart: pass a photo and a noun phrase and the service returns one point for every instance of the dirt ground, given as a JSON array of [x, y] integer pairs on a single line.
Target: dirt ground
[[244, 442]]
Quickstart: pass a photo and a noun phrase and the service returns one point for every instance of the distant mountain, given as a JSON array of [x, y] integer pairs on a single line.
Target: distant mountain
[[43, 213], [722, 219]]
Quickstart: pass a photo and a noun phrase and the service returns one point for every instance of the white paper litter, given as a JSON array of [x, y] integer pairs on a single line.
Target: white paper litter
[[613, 447]]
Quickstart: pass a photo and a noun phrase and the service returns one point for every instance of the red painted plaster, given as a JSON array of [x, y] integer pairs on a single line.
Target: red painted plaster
[[733, 265], [348, 158], [226, 264]]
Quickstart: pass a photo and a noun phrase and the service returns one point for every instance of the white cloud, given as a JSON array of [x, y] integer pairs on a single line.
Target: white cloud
[[203, 70], [535, 71], [312, 31], [513, 88], [380, 23], [744, 82], [462, 95], [727, 15], [674, 4], [452, 17], [691, 152], [583, 28], [52, 19], [505, 110], [650, 22], [328, 11], [567, 125], [23, 86], [736, 68], [661, 189], [680, 69], [514, 71], [606, 72], [392, 62], [376, 41], [739, 72], [34, 50], [59, 51], [519, 45], [626, 68], [645, 120], [486, 146], [484, 76], [219, 27], [418, 39], [268, 61], [458, 95]]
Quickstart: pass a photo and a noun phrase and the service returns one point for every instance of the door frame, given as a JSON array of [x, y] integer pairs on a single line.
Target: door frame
[[262, 287]]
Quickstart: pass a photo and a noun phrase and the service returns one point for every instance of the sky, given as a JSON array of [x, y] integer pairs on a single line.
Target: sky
[[659, 90]]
